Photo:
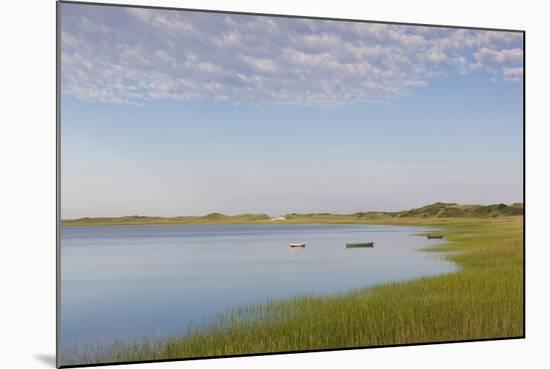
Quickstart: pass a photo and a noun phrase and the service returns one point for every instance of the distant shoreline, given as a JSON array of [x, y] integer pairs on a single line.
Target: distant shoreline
[[437, 210]]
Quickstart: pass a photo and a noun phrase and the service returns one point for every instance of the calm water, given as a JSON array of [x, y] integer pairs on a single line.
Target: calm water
[[142, 282]]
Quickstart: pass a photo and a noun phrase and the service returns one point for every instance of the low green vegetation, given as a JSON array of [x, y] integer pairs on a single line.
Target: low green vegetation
[[484, 299], [437, 210], [213, 218]]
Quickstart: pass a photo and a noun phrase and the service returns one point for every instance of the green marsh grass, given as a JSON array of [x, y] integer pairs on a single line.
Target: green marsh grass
[[484, 299]]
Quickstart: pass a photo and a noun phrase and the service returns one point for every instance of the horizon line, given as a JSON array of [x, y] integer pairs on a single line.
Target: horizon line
[[216, 213]]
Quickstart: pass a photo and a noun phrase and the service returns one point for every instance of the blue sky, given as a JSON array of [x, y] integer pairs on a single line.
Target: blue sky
[[173, 113]]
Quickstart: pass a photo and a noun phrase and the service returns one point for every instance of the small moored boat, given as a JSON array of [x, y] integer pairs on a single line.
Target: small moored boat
[[360, 244], [296, 245], [435, 236]]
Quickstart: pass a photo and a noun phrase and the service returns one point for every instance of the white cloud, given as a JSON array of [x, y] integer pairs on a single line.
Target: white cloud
[[162, 20], [137, 55], [437, 56], [209, 67], [260, 64], [464, 39], [229, 38], [68, 40], [491, 57], [513, 73]]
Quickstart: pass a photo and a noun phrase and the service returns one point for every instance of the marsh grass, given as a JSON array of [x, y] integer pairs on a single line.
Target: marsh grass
[[484, 299]]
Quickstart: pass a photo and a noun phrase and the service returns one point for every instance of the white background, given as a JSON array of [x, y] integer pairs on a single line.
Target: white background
[[27, 187]]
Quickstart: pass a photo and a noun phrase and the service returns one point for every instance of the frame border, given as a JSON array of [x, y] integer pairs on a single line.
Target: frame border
[[57, 184], [58, 179]]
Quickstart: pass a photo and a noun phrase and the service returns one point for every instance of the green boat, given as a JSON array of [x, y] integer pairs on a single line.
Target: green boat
[[361, 244], [435, 236]]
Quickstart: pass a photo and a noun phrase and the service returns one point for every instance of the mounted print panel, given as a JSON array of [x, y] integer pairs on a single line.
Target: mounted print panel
[[242, 184]]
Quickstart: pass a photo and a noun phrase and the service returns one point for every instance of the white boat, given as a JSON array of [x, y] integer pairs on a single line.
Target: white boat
[[296, 245]]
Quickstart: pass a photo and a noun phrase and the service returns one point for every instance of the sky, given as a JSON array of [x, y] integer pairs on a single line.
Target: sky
[[185, 113]]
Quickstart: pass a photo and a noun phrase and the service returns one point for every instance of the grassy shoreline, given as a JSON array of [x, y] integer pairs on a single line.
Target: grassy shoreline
[[484, 299]]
